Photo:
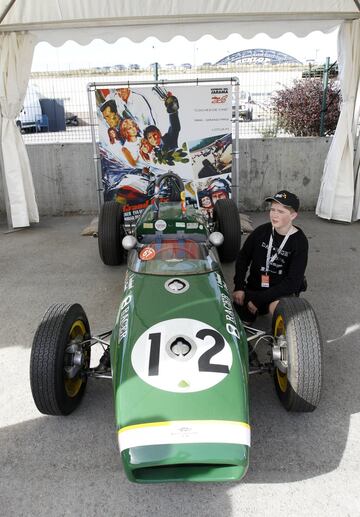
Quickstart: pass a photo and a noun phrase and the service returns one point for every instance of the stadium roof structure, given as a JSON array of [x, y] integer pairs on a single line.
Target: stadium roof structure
[[259, 56]]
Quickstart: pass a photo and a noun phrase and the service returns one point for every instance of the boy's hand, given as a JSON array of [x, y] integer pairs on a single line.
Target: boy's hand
[[239, 297], [252, 308]]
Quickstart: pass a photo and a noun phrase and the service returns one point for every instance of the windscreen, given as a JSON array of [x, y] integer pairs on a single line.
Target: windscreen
[[172, 257]]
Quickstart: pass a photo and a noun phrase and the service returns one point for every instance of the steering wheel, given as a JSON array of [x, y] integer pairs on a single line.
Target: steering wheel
[[176, 247], [175, 180]]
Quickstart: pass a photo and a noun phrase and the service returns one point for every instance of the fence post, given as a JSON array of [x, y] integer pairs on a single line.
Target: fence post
[[325, 88], [156, 71]]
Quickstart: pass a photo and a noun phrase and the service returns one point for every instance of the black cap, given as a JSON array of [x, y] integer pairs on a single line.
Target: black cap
[[286, 198]]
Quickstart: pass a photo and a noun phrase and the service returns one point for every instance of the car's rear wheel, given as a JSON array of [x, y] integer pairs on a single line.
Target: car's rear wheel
[[59, 359], [111, 233], [298, 376], [227, 221]]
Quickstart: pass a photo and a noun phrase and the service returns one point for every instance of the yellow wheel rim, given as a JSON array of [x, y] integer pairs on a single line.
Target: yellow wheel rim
[[73, 386], [281, 377]]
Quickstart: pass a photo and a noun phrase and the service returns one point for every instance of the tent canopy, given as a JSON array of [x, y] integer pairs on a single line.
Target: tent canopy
[[54, 21]]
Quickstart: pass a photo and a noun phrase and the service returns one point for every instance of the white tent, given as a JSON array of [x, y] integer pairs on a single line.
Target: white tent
[[25, 22]]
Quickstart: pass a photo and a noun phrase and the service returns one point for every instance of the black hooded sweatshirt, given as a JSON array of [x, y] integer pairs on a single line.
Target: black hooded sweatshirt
[[286, 272]]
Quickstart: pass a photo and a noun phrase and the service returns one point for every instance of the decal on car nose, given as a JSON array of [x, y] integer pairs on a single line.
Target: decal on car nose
[[177, 285], [181, 348], [182, 355]]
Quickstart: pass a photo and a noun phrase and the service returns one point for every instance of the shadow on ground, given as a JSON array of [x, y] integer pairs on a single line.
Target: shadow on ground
[[71, 465]]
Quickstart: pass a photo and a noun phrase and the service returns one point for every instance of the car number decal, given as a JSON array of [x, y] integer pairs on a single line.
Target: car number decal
[[147, 253], [182, 355]]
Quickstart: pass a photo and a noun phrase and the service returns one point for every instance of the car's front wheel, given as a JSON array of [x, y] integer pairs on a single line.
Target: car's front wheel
[[298, 363], [59, 359]]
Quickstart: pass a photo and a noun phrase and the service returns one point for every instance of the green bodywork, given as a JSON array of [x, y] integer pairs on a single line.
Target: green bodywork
[[145, 303], [175, 220]]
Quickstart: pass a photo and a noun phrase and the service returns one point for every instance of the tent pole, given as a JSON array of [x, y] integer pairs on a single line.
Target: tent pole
[[3, 178], [6, 10], [96, 158], [236, 184]]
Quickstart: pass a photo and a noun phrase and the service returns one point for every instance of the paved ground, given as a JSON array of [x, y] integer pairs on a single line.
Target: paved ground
[[301, 465]]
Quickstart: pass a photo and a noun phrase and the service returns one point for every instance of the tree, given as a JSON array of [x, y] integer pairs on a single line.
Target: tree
[[298, 107]]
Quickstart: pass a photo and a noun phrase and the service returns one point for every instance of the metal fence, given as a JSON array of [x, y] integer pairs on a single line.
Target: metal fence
[[67, 90]]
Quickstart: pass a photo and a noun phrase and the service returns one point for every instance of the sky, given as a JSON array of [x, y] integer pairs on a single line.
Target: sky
[[314, 47]]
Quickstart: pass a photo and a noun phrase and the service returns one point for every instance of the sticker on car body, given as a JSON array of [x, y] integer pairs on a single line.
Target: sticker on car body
[[160, 225], [147, 253], [182, 355]]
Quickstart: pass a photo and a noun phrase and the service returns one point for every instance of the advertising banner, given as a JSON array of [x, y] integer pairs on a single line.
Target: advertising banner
[[145, 132]]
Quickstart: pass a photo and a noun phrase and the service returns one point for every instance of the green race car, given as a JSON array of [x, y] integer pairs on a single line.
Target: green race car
[[178, 354]]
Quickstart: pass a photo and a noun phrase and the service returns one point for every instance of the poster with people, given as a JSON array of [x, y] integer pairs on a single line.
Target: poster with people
[[145, 132]]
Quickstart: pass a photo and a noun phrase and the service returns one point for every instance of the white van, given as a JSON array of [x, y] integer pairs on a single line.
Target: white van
[[31, 111]]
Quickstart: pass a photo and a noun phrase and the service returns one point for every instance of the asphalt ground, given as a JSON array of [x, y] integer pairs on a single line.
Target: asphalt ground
[[300, 464]]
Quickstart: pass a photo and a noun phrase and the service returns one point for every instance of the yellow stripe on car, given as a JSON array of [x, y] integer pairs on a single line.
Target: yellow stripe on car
[[184, 431]]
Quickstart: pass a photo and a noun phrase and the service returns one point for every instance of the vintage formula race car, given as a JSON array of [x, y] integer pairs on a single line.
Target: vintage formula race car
[[178, 355]]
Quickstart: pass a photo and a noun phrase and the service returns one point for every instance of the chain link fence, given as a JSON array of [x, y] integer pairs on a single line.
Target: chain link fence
[[56, 105]]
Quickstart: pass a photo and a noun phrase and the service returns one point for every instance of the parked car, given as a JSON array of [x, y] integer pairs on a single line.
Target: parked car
[[31, 112]]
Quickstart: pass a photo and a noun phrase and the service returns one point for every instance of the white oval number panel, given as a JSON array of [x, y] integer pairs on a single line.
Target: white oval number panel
[[182, 355]]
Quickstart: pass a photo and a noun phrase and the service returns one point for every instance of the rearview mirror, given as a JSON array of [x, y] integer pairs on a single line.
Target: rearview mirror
[[129, 242], [216, 239]]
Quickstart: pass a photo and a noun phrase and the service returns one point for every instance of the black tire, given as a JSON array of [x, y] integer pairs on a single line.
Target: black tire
[[227, 221], [111, 233], [54, 393], [299, 388]]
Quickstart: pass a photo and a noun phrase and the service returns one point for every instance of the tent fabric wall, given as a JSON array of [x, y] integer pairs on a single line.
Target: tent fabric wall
[[337, 192], [16, 51], [356, 211], [192, 32], [54, 21], [82, 12]]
